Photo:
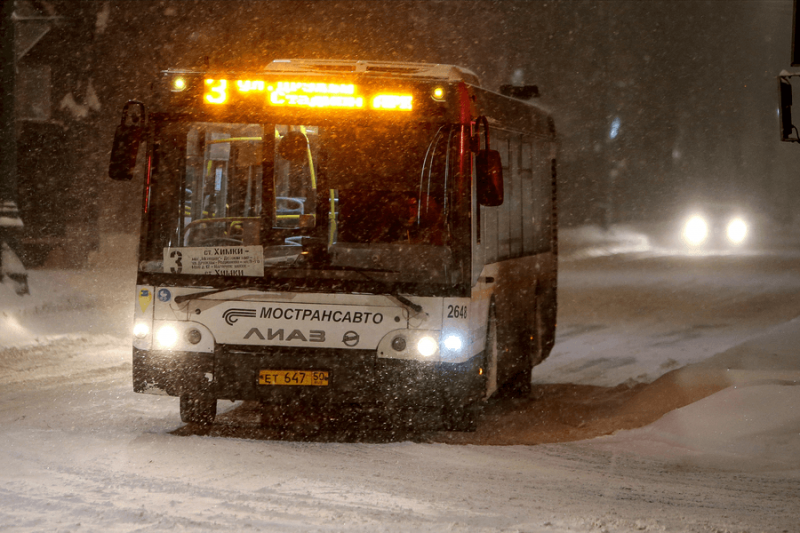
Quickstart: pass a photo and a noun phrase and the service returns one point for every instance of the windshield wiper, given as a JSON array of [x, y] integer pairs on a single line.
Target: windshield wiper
[[363, 271], [401, 299], [195, 295], [406, 302]]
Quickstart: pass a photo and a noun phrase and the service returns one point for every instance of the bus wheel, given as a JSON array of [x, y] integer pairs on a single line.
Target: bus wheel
[[519, 386], [198, 410]]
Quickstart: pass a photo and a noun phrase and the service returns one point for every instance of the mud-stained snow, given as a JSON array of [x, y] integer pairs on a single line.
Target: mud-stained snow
[[670, 403]]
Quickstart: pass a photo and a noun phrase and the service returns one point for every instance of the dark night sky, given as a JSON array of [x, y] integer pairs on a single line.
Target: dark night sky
[[692, 84]]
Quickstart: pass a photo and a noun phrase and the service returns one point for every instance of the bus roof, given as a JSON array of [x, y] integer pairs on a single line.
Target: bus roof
[[388, 69], [500, 109]]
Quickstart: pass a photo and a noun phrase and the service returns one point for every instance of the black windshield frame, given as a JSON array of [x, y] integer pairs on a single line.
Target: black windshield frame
[[162, 197]]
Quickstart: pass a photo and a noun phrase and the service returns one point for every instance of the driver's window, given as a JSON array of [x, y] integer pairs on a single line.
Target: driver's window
[[295, 176], [222, 185]]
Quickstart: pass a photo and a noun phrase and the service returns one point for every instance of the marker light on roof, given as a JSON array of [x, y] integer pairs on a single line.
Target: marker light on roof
[[178, 84]]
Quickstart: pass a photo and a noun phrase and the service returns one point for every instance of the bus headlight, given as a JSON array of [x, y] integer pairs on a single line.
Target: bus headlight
[[427, 346], [167, 336], [399, 343], [737, 230], [695, 231], [141, 330], [412, 345], [453, 343], [193, 336]]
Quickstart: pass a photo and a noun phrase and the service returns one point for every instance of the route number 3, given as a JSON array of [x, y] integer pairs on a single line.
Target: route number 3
[[456, 311], [178, 265]]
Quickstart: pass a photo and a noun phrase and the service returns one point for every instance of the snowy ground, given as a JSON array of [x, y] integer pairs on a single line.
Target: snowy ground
[[670, 403]]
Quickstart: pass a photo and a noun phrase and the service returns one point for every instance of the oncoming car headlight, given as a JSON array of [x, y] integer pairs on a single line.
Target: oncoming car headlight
[[695, 230], [737, 230]]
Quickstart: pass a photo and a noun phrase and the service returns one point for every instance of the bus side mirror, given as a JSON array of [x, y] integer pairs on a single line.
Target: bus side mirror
[[488, 168], [127, 139], [489, 172]]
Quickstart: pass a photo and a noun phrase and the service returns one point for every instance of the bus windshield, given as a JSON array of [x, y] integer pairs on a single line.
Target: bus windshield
[[333, 198]]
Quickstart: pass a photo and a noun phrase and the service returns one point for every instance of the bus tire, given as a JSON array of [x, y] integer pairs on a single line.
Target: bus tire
[[519, 386], [197, 410]]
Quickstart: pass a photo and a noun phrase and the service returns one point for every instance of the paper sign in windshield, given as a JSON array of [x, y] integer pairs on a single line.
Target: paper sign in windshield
[[215, 261]]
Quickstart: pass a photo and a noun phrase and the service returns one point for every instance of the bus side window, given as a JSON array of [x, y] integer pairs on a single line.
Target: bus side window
[[543, 197], [489, 216], [528, 198], [513, 185], [294, 176], [500, 143]]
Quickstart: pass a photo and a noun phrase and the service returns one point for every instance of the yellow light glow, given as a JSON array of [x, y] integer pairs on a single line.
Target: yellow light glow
[[217, 92], [178, 84], [438, 93], [315, 88], [309, 94], [319, 95], [246, 86], [400, 102], [304, 100]]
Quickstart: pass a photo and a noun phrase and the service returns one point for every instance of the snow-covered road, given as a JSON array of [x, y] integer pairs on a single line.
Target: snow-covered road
[[702, 352]]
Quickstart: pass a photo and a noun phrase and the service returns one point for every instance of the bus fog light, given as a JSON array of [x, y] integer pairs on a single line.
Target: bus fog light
[[193, 336], [427, 346], [399, 344], [453, 343], [140, 330], [167, 336]]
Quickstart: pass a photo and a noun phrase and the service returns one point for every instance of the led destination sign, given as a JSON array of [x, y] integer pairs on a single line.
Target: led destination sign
[[305, 95]]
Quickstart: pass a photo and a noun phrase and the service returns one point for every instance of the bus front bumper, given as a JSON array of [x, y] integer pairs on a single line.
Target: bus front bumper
[[356, 377]]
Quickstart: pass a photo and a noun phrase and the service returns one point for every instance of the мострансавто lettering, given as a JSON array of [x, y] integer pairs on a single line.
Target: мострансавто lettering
[[316, 315]]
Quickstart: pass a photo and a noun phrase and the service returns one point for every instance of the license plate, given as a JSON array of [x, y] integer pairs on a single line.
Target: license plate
[[314, 378]]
